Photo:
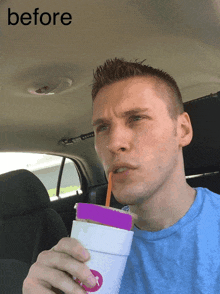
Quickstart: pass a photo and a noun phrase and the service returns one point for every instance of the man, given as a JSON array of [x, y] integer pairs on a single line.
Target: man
[[140, 129]]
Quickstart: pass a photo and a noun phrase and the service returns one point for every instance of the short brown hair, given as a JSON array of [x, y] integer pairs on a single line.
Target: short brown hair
[[115, 70]]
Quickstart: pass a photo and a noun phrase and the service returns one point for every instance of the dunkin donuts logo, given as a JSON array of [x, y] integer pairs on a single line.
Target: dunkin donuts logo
[[99, 282]]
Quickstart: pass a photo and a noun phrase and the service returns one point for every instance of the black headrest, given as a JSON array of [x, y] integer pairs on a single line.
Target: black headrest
[[21, 192], [203, 153]]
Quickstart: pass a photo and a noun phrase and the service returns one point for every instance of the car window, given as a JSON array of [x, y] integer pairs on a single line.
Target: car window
[[47, 168]]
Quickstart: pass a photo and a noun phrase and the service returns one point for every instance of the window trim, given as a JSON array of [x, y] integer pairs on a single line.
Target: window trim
[[60, 177]]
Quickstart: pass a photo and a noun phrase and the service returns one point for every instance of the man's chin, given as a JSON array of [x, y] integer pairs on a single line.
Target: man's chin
[[126, 199]]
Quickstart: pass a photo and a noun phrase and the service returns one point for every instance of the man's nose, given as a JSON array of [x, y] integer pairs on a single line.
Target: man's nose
[[120, 139]]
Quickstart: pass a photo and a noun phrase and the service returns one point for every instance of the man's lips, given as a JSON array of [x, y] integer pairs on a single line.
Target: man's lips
[[115, 167]]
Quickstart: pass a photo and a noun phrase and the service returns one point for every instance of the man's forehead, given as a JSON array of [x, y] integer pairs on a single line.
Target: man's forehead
[[127, 84], [127, 102], [129, 87]]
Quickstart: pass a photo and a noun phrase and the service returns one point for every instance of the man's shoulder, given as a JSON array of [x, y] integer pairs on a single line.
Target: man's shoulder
[[210, 199], [206, 192]]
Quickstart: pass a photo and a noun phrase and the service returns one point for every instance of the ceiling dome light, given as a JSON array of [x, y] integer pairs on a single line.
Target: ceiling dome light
[[52, 87]]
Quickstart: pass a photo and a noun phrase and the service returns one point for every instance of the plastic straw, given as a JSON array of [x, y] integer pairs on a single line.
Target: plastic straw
[[109, 190]]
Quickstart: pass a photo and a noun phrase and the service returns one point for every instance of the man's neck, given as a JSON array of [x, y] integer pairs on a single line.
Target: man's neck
[[163, 211]]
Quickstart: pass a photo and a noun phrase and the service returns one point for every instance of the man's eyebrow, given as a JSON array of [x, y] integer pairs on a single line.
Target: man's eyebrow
[[134, 111], [98, 121], [124, 114]]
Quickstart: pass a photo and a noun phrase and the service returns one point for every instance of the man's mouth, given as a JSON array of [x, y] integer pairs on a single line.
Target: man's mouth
[[120, 170]]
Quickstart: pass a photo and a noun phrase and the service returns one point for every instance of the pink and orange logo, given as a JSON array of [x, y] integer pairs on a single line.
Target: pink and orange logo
[[99, 282]]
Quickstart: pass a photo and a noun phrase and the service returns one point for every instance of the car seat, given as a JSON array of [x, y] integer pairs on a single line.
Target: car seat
[[12, 274], [28, 224], [202, 156]]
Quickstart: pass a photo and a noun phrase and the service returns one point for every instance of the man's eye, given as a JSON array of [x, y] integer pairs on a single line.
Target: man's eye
[[101, 128], [136, 118]]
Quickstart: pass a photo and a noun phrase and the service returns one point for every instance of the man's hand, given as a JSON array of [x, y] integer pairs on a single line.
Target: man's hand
[[54, 270]]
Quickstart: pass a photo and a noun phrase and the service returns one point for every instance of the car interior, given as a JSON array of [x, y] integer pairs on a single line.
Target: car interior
[[46, 72]]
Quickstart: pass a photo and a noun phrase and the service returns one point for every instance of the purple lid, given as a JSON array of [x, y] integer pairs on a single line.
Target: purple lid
[[104, 215]]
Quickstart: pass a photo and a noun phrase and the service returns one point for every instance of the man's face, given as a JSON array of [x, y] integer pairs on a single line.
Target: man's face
[[134, 128]]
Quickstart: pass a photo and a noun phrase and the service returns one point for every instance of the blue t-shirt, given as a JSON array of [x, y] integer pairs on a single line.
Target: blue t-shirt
[[182, 259]]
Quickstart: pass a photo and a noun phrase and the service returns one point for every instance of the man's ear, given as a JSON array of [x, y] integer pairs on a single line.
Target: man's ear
[[185, 130]]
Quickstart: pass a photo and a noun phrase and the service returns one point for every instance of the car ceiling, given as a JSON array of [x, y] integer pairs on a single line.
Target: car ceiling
[[180, 37]]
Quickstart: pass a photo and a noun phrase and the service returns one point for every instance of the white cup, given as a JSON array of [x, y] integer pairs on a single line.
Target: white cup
[[109, 248]]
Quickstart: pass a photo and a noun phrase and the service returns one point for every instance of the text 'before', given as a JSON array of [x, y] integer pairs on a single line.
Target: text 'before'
[[44, 18]]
